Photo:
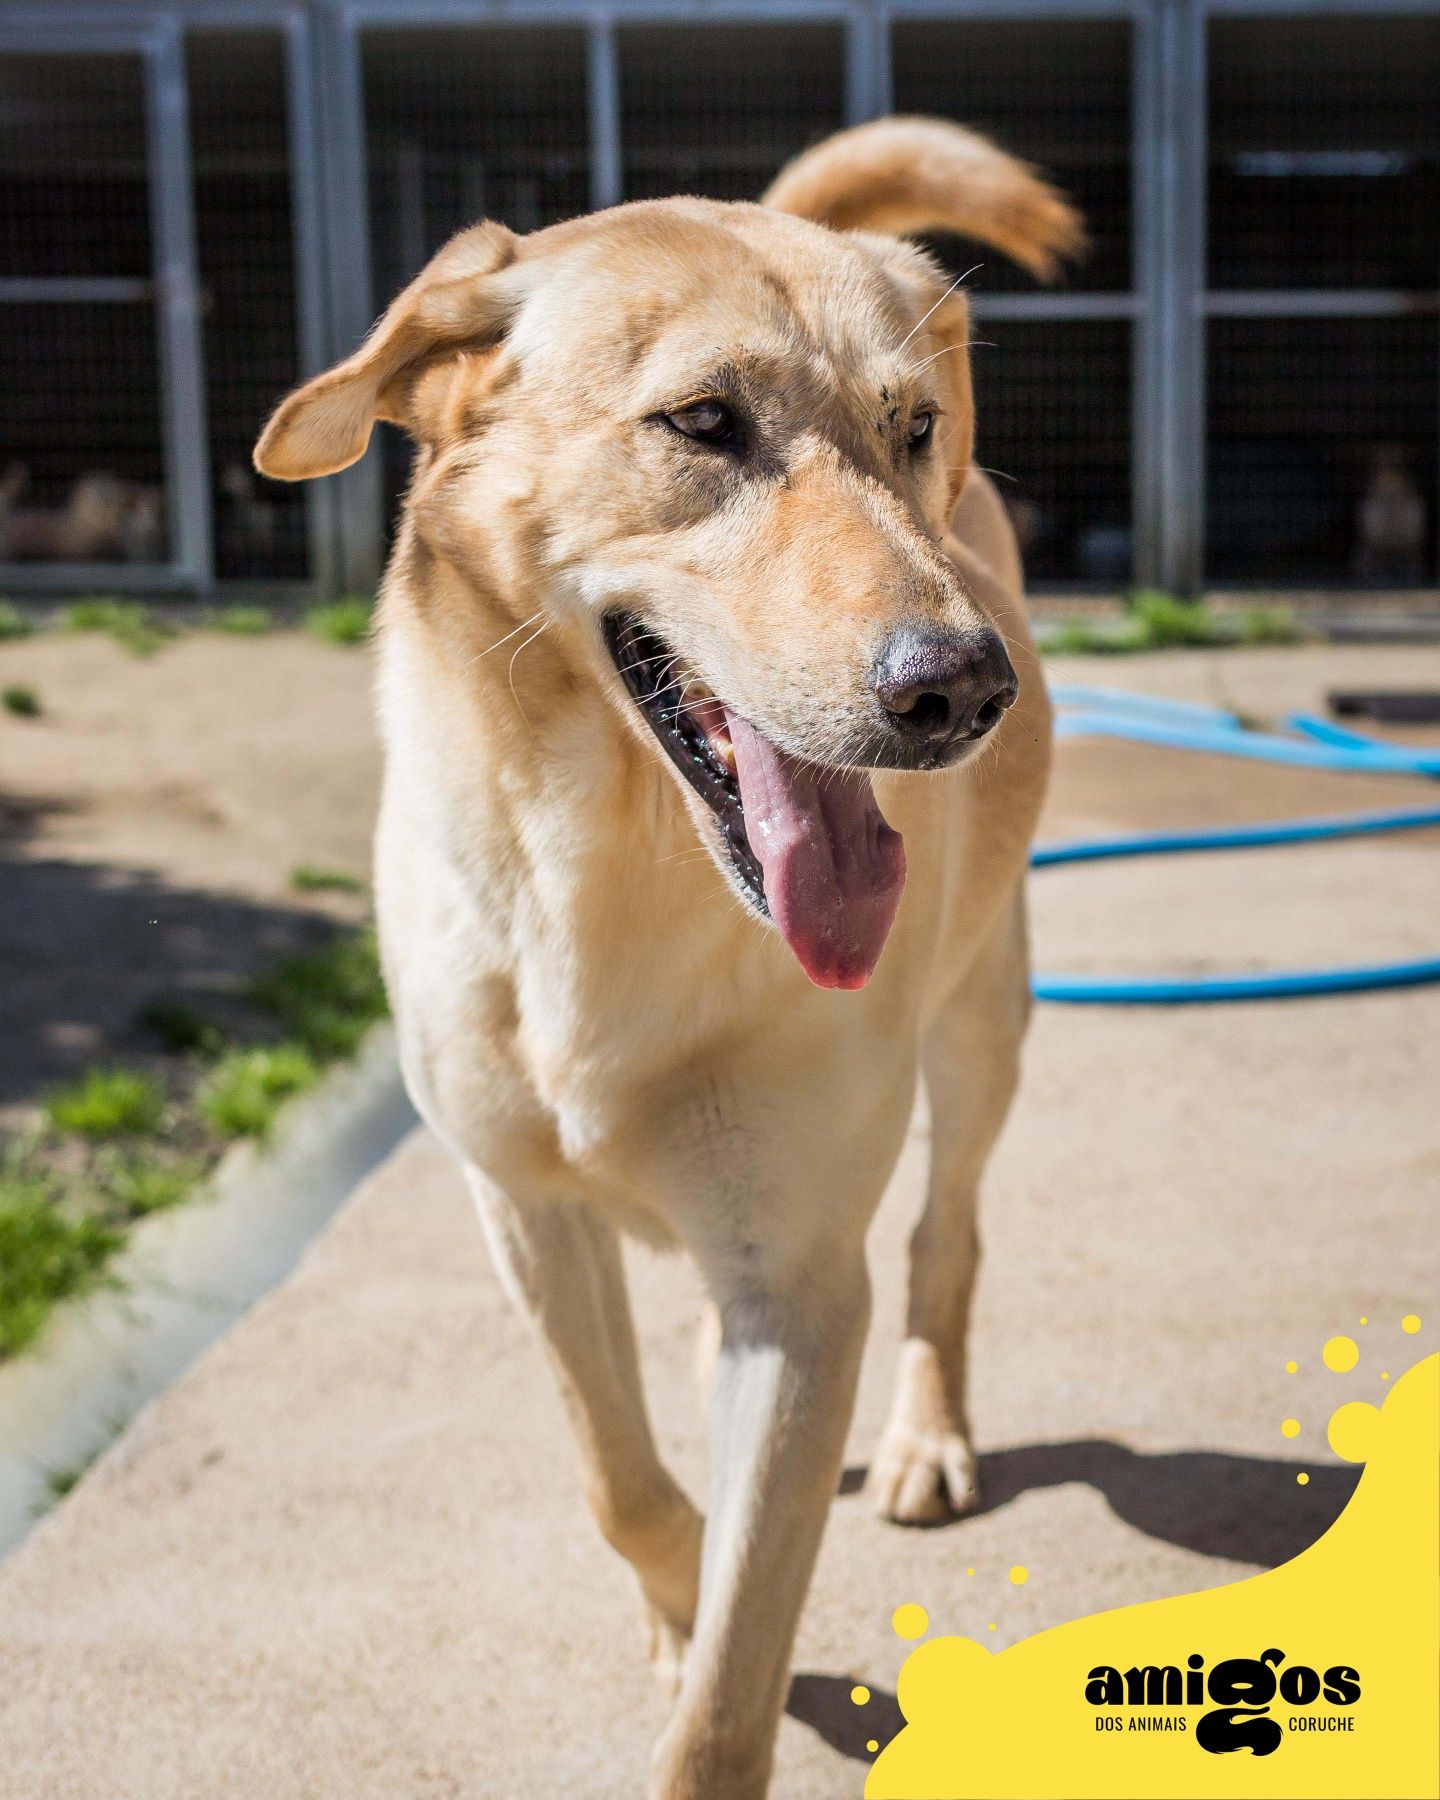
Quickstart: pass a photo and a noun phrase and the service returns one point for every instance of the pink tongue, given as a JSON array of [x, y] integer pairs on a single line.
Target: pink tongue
[[834, 870]]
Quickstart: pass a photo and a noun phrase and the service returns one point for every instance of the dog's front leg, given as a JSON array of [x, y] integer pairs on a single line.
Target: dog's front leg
[[561, 1264], [781, 1401]]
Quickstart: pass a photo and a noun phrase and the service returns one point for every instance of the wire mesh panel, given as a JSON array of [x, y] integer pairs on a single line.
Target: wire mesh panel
[[80, 457], [247, 270], [1321, 450], [1324, 152], [466, 125], [73, 177], [462, 125], [1053, 397], [1055, 91], [1052, 410], [81, 460], [716, 109]]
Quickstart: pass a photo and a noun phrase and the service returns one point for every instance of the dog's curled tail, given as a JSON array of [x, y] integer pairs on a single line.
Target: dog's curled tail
[[919, 175]]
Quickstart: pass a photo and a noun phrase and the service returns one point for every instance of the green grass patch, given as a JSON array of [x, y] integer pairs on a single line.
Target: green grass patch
[[342, 621], [24, 702], [244, 621], [248, 1087], [13, 622], [48, 1254], [1155, 620], [118, 1146], [1172, 624], [180, 1028], [307, 878], [137, 1186], [1096, 637], [62, 1481], [108, 1103], [129, 623], [1269, 625], [326, 1000]]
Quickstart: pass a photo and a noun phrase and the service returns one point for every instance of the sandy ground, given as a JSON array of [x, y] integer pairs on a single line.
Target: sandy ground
[[149, 822], [346, 1558]]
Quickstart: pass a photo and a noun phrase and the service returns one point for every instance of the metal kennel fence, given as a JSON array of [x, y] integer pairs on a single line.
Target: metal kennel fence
[[202, 201]]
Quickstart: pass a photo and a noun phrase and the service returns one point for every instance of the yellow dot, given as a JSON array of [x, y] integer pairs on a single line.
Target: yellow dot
[[859, 1695], [1364, 1321], [1410, 1323], [990, 1626], [873, 1745], [1290, 1428], [1019, 1574], [1290, 1368], [1303, 1479], [969, 1571], [1384, 1374], [910, 1621], [1351, 1430], [1340, 1354]]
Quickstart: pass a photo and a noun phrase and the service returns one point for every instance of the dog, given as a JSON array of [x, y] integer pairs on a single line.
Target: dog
[[250, 522], [715, 738], [104, 518], [1389, 523]]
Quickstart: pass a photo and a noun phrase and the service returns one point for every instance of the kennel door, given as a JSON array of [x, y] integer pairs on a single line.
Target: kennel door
[[103, 478], [1322, 370]]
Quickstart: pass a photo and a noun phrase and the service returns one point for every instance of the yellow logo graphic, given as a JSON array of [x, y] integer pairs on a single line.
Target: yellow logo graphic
[[1318, 1678]]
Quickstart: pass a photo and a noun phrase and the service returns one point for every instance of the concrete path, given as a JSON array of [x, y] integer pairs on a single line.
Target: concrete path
[[346, 1558]]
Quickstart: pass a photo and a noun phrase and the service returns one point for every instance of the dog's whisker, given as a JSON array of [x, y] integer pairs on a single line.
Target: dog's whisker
[[510, 672], [949, 350], [523, 626], [940, 302]]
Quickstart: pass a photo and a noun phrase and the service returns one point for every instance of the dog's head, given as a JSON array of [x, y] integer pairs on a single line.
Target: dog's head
[[718, 447]]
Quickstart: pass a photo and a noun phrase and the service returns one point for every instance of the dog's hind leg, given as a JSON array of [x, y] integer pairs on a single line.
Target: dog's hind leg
[[561, 1264], [924, 1467]]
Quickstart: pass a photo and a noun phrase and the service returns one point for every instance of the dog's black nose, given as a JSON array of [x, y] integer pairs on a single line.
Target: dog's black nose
[[941, 687]]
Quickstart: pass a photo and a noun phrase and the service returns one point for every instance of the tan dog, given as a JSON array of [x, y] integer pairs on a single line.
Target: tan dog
[[104, 518], [683, 680]]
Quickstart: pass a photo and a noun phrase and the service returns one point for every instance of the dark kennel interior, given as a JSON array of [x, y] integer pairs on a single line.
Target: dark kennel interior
[[196, 213]]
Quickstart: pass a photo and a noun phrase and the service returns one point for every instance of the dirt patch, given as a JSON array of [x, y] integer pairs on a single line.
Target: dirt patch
[[150, 821]]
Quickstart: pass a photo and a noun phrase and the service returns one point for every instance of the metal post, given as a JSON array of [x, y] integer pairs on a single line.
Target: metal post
[[182, 360], [359, 490], [867, 64], [307, 235], [1176, 364], [607, 169], [1147, 279]]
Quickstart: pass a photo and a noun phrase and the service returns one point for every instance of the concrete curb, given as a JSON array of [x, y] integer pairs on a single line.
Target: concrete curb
[[189, 1274]]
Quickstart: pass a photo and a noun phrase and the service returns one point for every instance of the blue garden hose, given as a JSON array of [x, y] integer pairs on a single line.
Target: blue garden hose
[[1179, 725]]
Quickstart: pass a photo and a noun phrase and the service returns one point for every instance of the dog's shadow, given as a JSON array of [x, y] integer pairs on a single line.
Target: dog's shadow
[[823, 1703], [1247, 1509]]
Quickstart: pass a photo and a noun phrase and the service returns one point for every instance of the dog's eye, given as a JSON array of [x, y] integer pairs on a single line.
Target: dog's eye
[[707, 422], [922, 427]]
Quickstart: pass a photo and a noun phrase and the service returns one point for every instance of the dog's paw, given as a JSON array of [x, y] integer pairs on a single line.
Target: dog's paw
[[670, 1582], [668, 1644], [922, 1477]]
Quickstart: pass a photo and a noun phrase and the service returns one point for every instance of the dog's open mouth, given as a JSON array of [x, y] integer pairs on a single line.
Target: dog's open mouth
[[692, 735], [808, 842]]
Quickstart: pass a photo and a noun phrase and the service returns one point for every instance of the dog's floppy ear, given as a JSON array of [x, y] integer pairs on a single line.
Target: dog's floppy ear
[[325, 425]]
